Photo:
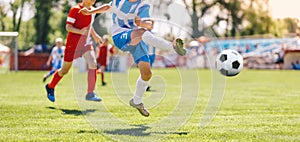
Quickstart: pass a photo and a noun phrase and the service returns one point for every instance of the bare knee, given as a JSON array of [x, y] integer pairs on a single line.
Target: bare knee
[[141, 31], [62, 72], [136, 36], [146, 76], [145, 70], [92, 65]]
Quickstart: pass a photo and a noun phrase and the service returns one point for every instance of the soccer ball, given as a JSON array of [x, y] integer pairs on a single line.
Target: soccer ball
[[229, 62]]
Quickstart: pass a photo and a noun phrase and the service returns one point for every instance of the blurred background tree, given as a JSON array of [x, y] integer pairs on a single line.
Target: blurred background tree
[[42, 17]]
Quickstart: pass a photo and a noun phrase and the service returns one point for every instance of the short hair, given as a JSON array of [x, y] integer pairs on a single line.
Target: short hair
[[59, 40]]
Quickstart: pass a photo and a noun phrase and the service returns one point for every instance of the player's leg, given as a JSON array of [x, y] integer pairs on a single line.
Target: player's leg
[[141, 85], [60, 73], [48, 74], [145, 35], [90, 58], [143, 81], [56, 78], [55, 66], [102, 68], [141, 58], [152, 59]]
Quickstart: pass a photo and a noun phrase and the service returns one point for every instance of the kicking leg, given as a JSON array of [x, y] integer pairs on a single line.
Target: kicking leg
[[142, 34]]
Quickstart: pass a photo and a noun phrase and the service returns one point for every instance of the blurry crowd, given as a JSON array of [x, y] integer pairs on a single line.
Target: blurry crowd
[[258, 53]]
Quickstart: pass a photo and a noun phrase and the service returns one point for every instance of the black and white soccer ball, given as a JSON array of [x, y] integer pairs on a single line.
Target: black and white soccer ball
[[229, 62]]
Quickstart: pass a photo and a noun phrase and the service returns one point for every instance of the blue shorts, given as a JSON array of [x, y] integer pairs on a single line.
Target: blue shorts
[[139, 51], [152, 59], [56, 64]]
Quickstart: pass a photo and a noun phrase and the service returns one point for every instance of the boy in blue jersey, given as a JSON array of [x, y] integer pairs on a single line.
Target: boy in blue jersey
[[56, 57], [131, 32]]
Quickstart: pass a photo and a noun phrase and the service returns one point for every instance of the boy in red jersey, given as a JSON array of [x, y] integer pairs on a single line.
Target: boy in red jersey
[[78, 44], [102, 56]]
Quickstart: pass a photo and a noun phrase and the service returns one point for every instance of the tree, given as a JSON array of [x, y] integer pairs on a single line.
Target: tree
[[41, 20], [241, 17], [3, 14], [292, 24], [17, 9], [257, 18], [197, 9], [234, 15], [42, 16], [15, 6]]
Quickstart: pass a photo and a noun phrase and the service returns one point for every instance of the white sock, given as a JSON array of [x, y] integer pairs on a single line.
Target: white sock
[[157, 42], [141, 87]]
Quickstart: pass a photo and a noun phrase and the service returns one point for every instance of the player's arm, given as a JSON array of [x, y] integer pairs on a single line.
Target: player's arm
[[49, 60], [97, 52], [101, 9], [112, 50], [96, 37], [143, 17], [148, 24], [72, 29]]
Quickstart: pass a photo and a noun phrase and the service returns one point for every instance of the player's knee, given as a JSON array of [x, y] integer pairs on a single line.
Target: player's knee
[[92, 65], [141, 31], [146, 76], [63, 72]]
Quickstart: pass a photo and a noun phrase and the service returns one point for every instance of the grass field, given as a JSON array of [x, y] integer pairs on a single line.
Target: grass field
[[258, 105]]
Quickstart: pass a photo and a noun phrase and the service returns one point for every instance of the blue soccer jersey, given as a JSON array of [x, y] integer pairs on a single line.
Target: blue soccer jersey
[[124, 13], [57, 57]]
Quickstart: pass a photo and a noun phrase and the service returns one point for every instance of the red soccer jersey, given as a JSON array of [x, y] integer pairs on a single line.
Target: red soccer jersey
[[78, 20], [102, 58]]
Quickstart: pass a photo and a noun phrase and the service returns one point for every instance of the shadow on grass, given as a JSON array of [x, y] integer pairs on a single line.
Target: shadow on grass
[[88, 131], [74, 111], [139, 131]]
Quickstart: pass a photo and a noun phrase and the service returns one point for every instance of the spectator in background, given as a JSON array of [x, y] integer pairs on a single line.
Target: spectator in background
[[102, 57], [192, 57], [239, 49], [248, 49], [296, 66], [38, 48], [297, 38], [280, 57], [1, 58], [55, 58], [202, 58]]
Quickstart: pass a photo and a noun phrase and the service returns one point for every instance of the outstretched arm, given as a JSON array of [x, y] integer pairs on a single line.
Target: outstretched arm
[[101, 9], [49, 60], [148, 24], [96, 37]]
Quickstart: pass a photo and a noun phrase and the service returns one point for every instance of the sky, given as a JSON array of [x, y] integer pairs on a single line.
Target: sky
[[285, 8], [282, 8]]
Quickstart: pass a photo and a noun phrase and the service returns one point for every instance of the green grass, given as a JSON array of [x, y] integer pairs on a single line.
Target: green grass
[[258, 105]]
